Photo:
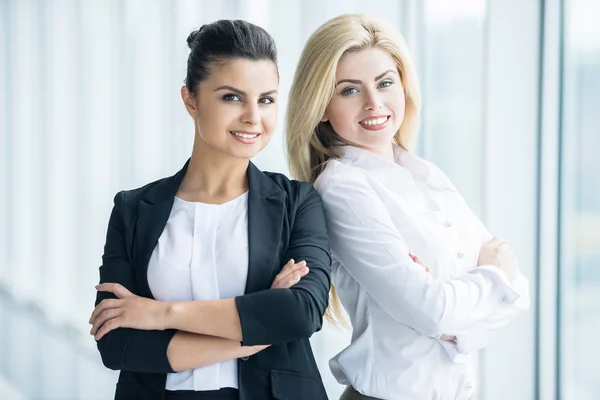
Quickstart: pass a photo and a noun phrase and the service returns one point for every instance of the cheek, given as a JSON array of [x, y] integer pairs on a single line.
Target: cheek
[[212, 121], [341, 116], [397, 104], [269, 120]]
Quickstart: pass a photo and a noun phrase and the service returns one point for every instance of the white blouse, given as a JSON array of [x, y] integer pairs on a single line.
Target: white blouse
[[202, 254], [377, 211]]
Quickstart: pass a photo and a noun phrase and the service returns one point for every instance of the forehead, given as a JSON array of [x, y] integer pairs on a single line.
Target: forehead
[[365, 63], [244, 74]]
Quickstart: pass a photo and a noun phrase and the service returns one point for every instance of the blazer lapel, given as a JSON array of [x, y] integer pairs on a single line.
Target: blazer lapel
[[153, 213], [265, 221]]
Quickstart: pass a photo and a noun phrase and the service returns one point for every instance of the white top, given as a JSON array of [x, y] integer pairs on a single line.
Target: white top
[[377, 211], [202, 254]]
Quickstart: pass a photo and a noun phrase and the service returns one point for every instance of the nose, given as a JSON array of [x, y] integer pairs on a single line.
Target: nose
[[372, 101], [251, 114]]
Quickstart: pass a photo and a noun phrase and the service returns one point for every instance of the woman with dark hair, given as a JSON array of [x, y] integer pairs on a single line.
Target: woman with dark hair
[[194, 300]]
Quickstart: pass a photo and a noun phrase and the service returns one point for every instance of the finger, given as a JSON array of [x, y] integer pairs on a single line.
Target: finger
[[284, 274], [504, 247], [103, 317], [102, 306], [289, 264], [494, 242], [298, 267], [110, 325], [115, 288], [501, 241], [448, 337], [292, 281], [296, 276], [286, 268]]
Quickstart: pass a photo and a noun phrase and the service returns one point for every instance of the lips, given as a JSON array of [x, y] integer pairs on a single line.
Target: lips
[[245, 137], [375, 123], [245, 134]]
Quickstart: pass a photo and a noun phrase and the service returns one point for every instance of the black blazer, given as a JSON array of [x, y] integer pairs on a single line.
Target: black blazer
[[285, 220]]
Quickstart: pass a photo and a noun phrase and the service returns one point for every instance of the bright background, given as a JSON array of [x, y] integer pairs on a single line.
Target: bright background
[[89, 105]]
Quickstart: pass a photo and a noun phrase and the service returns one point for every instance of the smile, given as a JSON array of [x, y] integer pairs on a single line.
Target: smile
[[245, 135], [375, 123]]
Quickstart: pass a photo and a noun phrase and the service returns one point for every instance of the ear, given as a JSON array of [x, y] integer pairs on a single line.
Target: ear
[[324, 118], [189, 101]]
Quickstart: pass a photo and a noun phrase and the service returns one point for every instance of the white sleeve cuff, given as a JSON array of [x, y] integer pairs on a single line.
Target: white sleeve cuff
[[509, 290]]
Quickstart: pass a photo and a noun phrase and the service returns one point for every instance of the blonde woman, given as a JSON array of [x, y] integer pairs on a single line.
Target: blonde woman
[[424, 283]]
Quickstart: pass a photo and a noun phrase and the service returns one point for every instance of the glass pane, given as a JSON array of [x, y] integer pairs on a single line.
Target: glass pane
[[452, 81], [580, 203]]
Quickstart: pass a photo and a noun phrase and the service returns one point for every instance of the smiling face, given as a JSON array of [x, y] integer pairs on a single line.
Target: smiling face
[[367, 107], [234, 109]]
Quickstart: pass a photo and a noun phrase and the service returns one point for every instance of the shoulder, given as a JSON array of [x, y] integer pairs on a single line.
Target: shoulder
[[438, 177], [338, 175], [127, 200], [295, 191]]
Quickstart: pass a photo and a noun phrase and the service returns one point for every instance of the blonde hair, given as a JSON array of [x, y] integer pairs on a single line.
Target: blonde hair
[[310, 142]]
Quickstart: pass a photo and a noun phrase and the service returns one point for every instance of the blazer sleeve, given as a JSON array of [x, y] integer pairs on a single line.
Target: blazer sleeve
[[123, 348], [282, 315]]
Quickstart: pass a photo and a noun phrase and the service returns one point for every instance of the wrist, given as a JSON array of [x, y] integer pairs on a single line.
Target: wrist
[[169, 315]]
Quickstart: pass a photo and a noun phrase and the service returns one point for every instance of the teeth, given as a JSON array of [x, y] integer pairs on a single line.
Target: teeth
[[372, 122], [244, 135]]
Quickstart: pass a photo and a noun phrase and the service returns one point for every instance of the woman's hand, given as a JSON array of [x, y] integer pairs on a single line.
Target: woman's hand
[[290, 274], [418, 261], [127, 311], [497, 253]]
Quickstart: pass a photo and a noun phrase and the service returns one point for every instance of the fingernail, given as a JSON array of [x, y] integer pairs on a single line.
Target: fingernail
[[292, 261], [303, 262]]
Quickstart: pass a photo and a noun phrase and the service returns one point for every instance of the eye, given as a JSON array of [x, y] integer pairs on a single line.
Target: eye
[[266, 100], [349, 91], [386, 84], [231, 97]]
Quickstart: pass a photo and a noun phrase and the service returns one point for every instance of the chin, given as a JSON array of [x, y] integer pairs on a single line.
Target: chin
[[378, 138], [247, 153]]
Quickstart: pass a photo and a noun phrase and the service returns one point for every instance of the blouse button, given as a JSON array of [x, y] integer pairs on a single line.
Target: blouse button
[[244, 358], [447, 224], [460, 255]]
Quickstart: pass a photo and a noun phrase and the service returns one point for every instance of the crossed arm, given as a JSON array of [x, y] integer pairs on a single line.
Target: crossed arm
[[144, 335]]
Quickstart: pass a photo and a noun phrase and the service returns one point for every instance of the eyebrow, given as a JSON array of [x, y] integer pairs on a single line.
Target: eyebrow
[[241, 92], [359, 82]]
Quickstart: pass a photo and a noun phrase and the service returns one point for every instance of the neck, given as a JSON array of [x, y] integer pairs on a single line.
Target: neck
[[386, 152], [212, 176]]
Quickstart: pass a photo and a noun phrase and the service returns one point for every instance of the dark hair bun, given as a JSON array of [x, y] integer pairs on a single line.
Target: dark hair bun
[[224, 40], [191, 39]]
